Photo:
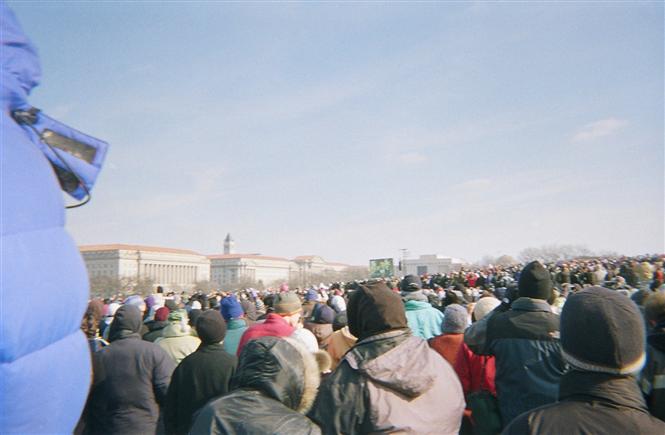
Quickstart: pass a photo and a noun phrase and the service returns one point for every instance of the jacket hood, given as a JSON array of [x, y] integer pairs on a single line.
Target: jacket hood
[[374, 309], [282, 369], [405, 368], [415, 305], [176, 330], [127, 321]]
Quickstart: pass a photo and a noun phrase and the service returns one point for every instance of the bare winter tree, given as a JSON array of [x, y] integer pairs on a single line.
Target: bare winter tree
[[554, 253]]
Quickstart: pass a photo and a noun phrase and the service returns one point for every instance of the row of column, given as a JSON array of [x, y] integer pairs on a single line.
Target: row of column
[[170, 273]]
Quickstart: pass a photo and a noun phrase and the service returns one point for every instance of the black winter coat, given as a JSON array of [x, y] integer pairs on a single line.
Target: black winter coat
[[529, 362], [130, 380], [591, 403], [276, 383], [201, 376], [653, 375]]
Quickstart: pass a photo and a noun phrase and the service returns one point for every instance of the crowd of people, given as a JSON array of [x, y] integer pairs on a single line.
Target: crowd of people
[[574, 347]]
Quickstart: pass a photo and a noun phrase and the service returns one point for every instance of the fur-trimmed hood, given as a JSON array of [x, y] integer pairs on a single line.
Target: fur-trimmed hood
[[281, 368]]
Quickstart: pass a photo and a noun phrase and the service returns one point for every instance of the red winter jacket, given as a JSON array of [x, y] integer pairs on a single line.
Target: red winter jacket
[[469, 368]]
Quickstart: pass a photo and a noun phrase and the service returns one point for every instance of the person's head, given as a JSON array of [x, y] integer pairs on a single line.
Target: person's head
[[287, 305], [311, 295], [293, 378], [323, 315], [231, 308], [137, 301], [410, 283], [455, 319], [180, 318], [210, 327], [654, 308], [92, 317], [602, 331], [373, 308], [127, 321], [535, 282], [162, 314]]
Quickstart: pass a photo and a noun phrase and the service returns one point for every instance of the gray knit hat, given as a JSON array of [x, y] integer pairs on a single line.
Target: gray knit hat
[[455, 319], [602, 331], [286, 303]]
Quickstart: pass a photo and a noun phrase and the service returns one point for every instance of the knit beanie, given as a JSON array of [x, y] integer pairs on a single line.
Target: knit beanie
[[484, 306], [162, 314], [231, 308], [211, 327], [410, 283], [455, 319], [286, 303], [535, 282], [602, 331], [323, 314], [311, 295]]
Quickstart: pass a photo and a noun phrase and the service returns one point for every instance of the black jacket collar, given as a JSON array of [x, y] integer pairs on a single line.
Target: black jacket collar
[[601, 387]]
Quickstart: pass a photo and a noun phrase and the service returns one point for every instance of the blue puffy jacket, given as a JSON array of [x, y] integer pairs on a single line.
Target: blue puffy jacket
[[44, 356]]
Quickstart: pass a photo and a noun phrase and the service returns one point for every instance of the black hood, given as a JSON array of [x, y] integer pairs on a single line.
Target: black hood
[[127, 321], [281, 368], [374, 308]]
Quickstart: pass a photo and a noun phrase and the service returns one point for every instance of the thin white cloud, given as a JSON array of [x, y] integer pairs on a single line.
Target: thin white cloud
[[598, 129], [408, 158], [473, 185]]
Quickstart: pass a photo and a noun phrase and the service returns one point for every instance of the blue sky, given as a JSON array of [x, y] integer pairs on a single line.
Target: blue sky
[[351, 130]]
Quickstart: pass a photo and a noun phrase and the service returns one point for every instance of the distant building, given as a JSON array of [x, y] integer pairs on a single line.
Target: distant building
[[430, 264], [230, 269], [182, 268], [233, 269], [229, 245], [167, 267]]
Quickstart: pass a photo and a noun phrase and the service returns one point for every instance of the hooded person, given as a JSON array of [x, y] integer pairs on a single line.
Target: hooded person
[[282, 322], [176, 338], [201, 376], [448, 344], [424, 320], [234, 316], [157, 325], [390, 381], [131, 378], [600, 393], [525, 342], [274, 386]]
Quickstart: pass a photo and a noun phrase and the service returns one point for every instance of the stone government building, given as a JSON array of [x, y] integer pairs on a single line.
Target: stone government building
[[182, 268]]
